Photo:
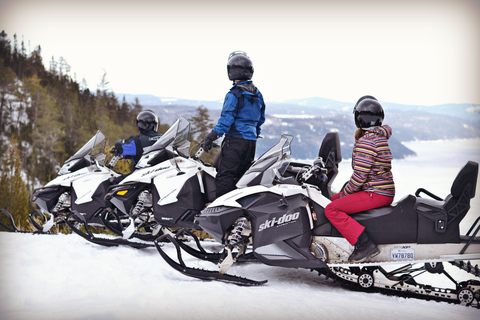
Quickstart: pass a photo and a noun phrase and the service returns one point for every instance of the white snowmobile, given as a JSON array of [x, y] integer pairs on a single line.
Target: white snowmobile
[[282, 220], [79, 189], [165, 194], [167, 190]]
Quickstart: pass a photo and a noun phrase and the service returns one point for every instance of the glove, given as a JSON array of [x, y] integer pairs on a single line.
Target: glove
[[117, 150], [208, 141]]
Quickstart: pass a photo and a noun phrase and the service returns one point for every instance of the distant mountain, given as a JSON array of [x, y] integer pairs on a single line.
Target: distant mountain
[[148, 100], [308, 120]]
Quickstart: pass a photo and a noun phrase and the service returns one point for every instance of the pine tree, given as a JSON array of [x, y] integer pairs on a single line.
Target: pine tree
[[48, 129], [14, 197], [201, 127], [9, 91]]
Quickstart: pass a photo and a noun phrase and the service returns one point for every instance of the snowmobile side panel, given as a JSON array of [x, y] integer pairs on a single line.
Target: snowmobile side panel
[[190, 200], [96, 203], [214, 224], [210, 187], [47, 197], [124, 195]]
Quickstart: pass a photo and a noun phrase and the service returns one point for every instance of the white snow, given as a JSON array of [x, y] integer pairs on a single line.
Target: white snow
[[66, 277]]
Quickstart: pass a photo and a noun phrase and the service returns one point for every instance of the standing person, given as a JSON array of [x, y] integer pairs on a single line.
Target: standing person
[[371, 184], [134, 146], [243, 114]]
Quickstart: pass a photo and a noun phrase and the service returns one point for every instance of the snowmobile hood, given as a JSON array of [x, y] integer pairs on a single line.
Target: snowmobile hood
[[385, 131]]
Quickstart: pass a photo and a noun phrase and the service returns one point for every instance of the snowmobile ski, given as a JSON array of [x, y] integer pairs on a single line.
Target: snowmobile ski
[[89, 236], [200, 273], [47, 223], [202, 254], [12, 227]]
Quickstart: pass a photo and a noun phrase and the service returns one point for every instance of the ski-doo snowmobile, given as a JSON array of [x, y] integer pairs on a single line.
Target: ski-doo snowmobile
[[285, 224], [167, 190], [78, 191], [164, 195]]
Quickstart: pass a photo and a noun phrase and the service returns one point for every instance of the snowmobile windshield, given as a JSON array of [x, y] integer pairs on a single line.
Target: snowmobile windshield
[[279, 150], [95, 147], [176, 137], [272, 163]]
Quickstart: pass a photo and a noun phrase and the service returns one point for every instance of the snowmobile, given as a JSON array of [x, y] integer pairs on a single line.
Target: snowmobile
[[166, 191], [77, 193], [282, 219]]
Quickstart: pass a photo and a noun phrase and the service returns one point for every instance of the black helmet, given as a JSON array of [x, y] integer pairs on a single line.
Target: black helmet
[[363, 98], [239, 66], [147, 121], [368, 113]]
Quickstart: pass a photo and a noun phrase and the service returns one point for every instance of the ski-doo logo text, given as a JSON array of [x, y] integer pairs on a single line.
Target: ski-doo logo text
[[152, 171], [286, 218]]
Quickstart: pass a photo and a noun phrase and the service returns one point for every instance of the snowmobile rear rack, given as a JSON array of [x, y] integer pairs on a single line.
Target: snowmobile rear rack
[[202, 274], [472, 237]]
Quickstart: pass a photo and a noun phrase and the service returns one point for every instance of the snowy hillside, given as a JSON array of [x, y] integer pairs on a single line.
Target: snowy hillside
[[66, 277]]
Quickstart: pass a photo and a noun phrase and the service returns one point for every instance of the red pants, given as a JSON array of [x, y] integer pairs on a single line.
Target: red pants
[[339, 209]]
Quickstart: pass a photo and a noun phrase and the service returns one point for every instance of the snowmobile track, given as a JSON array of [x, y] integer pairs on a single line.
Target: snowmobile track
[[351, 278]]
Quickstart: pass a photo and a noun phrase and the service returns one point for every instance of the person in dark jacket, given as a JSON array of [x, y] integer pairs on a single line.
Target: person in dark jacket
[[242, 116], [371, 184], [134, 146]]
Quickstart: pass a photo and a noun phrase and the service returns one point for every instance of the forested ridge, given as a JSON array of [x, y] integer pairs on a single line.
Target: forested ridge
[[46, 116]]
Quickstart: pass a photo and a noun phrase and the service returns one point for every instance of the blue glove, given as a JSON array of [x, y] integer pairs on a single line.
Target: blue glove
[[208, 141]]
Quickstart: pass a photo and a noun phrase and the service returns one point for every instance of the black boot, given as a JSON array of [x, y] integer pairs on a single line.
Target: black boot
[[364, 249]]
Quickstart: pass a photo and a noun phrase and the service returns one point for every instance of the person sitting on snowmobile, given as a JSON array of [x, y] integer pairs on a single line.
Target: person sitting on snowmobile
[[134, 146], [371, 184], [242, 116]]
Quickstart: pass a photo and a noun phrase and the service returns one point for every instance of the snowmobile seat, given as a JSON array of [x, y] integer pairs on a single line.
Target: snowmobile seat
[[385, 225], [439, 219], [391, 224]]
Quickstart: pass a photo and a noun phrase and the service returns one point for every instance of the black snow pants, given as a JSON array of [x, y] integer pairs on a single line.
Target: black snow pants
[[232, 161]]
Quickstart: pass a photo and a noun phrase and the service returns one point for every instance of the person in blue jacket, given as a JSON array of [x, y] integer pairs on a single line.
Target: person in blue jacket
[[134, 146], [242, 116]]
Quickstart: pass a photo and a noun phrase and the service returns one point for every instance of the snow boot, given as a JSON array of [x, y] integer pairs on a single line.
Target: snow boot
[[364, 249]]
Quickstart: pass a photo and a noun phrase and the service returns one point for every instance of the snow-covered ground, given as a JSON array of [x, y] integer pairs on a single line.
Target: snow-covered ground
[[66, 277]]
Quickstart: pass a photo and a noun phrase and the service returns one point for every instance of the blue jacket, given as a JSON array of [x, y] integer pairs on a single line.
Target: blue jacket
[[134, 146], [243, 112]]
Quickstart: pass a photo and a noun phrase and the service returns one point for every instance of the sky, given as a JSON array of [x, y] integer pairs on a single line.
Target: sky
[[423, 52]]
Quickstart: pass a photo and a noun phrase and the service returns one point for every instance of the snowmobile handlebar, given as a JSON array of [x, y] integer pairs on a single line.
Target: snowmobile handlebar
[[314, 170], [318, 167], [200, 151], [113, 161]]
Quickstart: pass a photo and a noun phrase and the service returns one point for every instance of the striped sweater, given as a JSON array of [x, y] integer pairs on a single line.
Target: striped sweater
[[372, 164]]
